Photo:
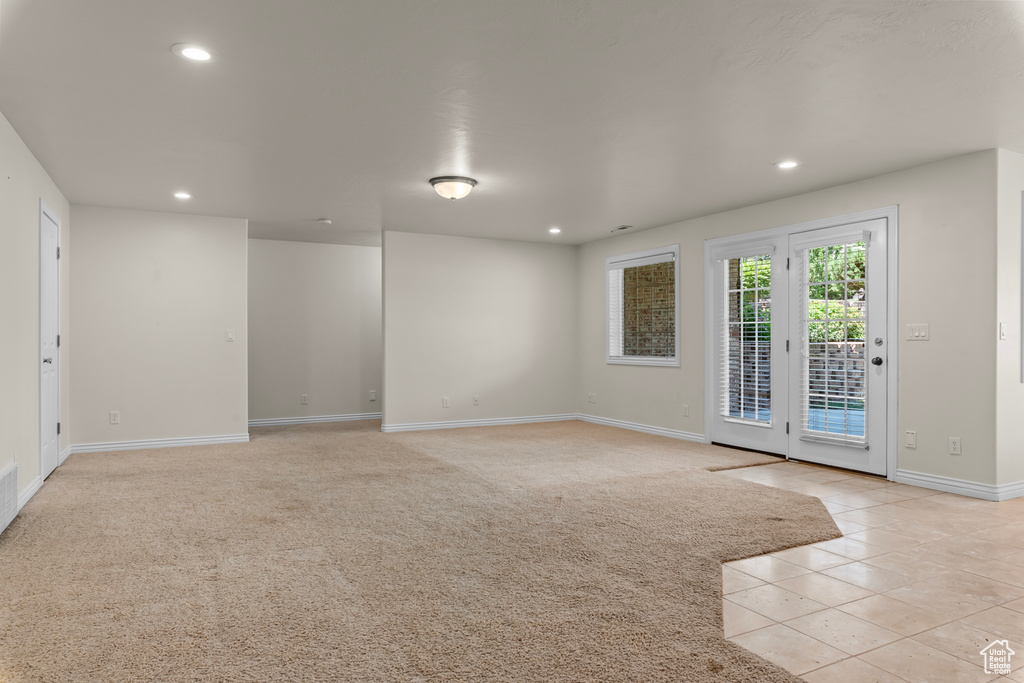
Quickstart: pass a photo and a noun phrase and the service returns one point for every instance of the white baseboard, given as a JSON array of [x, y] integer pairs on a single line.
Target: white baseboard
[[495, 422], [158, 443], [647, 429], [995, 492], [635, 426], [26, 495], [63, 456], [267, 422]]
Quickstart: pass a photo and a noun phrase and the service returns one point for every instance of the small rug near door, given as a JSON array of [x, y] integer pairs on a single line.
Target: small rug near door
[[561, 551]]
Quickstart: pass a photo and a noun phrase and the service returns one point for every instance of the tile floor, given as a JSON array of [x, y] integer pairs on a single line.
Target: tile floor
[[918, 585]]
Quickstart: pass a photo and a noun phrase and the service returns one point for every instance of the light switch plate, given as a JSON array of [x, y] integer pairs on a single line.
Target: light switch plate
[[917, 332]]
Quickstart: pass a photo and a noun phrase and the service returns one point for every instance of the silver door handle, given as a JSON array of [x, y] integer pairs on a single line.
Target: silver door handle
[[47, 360]]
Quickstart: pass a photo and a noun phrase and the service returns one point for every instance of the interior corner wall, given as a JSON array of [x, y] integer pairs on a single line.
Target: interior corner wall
[[154, 297], [947, 246], [468, 317], [1010, 383], [314, 329], [23, 182]]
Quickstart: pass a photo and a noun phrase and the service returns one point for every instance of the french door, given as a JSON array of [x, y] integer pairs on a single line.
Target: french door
[[799, 345]]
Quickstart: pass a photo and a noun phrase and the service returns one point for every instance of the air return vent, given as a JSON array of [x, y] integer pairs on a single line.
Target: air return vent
[[8, 495]]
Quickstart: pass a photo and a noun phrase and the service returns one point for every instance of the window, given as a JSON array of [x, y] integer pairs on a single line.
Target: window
[[833, 281], [748, 339], [643, 306]]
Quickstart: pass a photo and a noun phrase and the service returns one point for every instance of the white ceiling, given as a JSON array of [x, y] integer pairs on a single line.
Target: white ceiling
[[580, 114]]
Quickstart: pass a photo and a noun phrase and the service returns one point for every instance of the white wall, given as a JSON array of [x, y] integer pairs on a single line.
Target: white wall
[[154, 295], [23, 182], [314, 328], [947, 246], [1010, 390], [465, 317]]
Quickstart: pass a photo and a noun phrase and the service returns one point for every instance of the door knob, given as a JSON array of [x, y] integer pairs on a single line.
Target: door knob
[[877, 360], [47, 360]]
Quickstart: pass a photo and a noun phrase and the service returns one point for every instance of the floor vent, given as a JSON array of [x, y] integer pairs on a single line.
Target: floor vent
[[8, 495]]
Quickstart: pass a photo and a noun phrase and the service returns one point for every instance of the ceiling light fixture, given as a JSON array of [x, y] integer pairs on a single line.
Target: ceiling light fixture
[[196, 53], [554, 231], [453, 186], [182, 195], [323, 221], [786, 165]]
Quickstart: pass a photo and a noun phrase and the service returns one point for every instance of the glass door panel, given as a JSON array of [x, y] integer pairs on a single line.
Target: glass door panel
[[749, 313], [839, 378]]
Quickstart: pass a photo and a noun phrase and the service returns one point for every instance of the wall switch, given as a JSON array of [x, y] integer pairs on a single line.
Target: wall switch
[[115, 417], [917, 332], [476, 400], [229, 335], [373, 394], [304, 398], [1004, 331], [955, 446], [910, 439], [686, 410], [445, 403]]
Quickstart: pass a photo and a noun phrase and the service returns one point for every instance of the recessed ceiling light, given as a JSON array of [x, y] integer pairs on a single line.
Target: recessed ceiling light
[[197, 53], [182, 195], [554, 231], [787, 164]]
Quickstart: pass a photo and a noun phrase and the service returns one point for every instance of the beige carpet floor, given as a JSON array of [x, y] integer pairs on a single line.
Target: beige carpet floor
[[551, 552]]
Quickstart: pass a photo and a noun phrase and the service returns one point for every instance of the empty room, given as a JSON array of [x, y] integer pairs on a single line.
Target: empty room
[[577, 340]]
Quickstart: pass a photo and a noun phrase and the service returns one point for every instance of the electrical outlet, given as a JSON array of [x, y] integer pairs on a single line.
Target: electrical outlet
[[445, 403], [955, 447], [686, 410], [115, 417], [476, 400], [592, 397], [373, 394], [910, 439]]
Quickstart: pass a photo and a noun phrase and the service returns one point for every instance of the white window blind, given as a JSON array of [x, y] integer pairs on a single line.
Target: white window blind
[[746, 378], [832, 280]]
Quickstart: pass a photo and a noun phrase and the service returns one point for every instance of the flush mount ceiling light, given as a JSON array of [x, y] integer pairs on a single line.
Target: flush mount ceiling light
[[554, 231], [323, 221], [453, 186], [786, 165], [182, 195], [197, 53]]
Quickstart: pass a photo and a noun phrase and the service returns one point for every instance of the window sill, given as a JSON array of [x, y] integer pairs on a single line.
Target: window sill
[[659, 362]]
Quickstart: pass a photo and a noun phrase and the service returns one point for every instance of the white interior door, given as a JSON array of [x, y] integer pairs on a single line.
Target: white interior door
[[749, 345], [49, 328], [838, 377]]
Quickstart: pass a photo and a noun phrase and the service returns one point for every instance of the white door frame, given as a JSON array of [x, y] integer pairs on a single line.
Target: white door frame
[[45, 212], [891, 214]]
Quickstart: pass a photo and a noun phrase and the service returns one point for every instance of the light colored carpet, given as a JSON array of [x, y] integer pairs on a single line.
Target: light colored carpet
[[560, 551]]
